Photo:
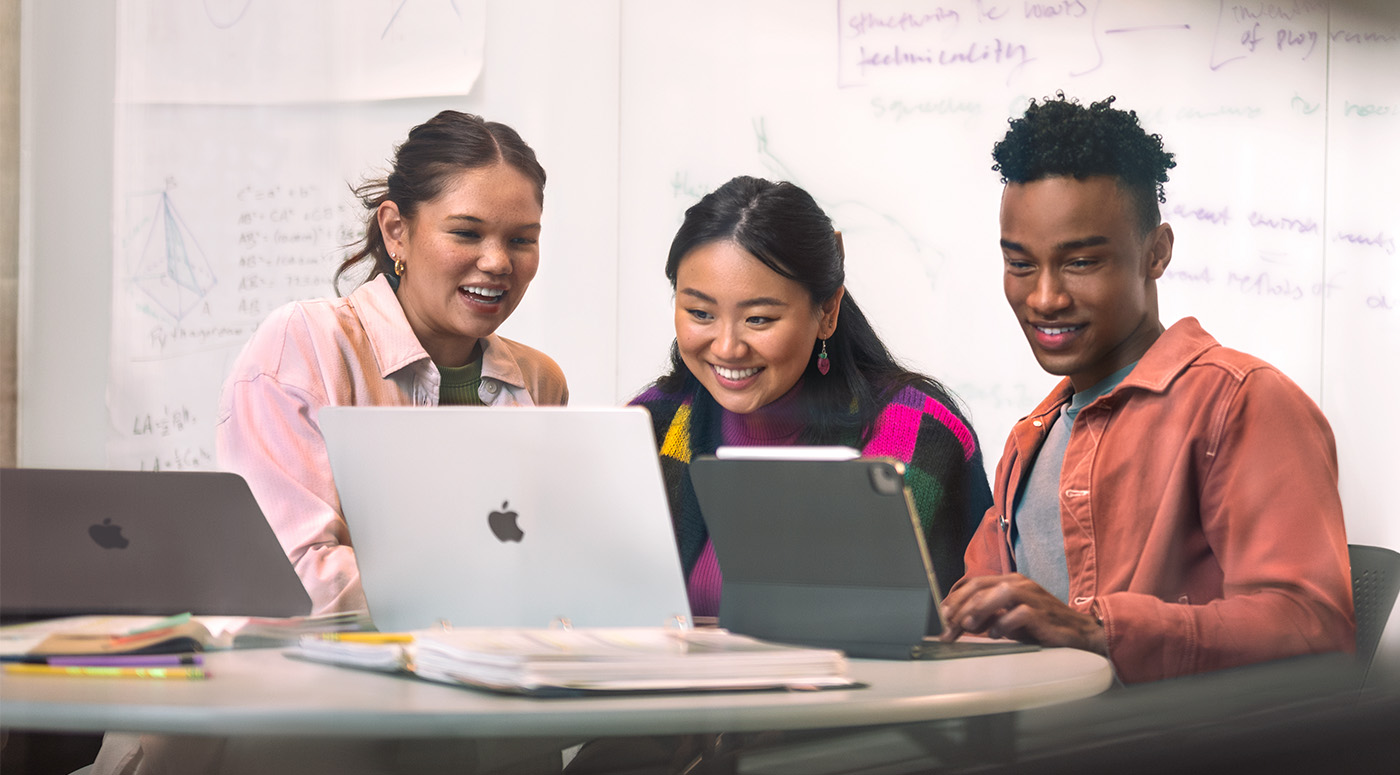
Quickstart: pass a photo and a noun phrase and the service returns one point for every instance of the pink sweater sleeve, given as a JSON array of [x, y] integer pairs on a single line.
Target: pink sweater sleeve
[[267, 433]]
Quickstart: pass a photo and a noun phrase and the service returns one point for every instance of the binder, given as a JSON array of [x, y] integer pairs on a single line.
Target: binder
[[564, 661]]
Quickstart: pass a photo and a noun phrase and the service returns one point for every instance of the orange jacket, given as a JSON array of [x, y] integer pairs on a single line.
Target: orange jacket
[[1200, 512]]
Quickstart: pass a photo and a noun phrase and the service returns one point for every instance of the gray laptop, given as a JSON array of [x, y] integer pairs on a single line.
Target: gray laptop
[[138, 542], [506, 516], [825, 553]]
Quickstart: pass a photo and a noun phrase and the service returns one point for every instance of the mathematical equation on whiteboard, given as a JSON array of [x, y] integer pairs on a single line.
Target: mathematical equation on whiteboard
[[169, 439], [204, 262], [200, 283]]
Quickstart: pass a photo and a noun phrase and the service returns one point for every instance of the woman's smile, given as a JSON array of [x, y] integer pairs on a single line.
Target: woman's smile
[[745, 331]]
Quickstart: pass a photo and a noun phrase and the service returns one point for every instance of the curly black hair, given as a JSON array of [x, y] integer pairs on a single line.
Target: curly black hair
[[1059, 137]]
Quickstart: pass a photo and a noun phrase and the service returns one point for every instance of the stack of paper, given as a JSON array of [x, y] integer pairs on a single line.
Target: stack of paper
[[94, 635], [383, 651], [262, 632], [543, 661]]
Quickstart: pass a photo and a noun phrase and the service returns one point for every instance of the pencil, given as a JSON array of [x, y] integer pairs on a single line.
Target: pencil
[[166, 673], [368, 637]]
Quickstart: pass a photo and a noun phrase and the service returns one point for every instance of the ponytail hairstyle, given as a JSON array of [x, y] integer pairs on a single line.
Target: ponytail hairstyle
[[782, 226], [424, 165]]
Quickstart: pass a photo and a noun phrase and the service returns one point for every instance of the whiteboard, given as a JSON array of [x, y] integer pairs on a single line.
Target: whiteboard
[[232, 197], [1285, 202]]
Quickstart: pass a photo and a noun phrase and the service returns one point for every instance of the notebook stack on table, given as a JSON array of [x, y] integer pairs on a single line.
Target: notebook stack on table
[[546, 662]]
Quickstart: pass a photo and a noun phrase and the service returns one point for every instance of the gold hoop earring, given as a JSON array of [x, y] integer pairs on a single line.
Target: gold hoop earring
[[398, 265]]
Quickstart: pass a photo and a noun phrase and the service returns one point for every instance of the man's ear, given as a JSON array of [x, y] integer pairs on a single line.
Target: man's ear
[[1159, 250], [830, 311]]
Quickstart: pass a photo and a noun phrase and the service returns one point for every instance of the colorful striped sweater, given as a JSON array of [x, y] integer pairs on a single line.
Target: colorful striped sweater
[[943, 467]]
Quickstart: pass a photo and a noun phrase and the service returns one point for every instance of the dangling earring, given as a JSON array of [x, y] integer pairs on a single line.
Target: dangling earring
[[823, 363], [398, 265]]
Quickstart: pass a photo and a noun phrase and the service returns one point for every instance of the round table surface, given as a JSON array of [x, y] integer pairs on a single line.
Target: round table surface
[[264, 692]]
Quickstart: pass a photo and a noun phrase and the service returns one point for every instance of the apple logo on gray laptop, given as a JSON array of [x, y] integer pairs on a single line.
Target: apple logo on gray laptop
[[108, 535], [503, 524]]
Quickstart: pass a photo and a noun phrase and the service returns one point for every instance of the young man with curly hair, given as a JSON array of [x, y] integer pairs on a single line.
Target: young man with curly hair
[[1173, 503]]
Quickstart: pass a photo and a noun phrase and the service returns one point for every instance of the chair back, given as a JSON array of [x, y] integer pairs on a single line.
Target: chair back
[[1375, 581]]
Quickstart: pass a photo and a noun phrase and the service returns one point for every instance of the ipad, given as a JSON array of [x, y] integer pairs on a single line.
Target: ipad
[[825, 553]]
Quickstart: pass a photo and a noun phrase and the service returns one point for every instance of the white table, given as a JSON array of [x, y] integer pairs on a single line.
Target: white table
[[263, 692]]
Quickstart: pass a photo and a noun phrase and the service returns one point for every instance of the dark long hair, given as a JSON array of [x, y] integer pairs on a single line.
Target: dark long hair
[[782, 226], [435, 150]]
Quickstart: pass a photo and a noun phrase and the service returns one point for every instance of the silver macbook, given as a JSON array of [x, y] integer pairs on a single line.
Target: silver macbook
[[825, 553], [138, 542], [506, 516]]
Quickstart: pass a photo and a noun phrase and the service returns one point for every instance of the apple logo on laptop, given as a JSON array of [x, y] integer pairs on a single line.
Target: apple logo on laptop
[[108, 535], [503, 524]]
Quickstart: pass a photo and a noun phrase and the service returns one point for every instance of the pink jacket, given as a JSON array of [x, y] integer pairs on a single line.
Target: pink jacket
[[1200, 512], [353, 351]]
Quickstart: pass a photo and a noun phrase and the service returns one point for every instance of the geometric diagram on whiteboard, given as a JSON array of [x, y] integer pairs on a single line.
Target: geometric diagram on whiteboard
[[171, 268]]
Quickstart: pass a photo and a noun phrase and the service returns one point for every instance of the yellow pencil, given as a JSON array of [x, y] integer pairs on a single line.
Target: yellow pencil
[[368, 637], [166, 673]]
